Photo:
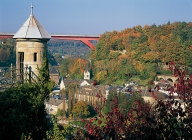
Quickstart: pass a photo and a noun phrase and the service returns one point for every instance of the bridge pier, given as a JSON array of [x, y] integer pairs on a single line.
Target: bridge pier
[[83, 39], [88, 43]]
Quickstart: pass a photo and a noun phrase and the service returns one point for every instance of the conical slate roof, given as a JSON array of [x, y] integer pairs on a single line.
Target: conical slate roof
[[32, 29]]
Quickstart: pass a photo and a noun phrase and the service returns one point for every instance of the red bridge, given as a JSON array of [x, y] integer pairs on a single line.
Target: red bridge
[[83, 38]]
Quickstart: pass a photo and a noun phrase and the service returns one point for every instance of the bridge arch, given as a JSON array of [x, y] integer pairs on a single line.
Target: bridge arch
[[170, 78]]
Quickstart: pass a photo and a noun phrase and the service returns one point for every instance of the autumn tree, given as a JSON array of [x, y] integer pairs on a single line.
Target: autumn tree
[[81, 109], [115, 125], [73, 68]]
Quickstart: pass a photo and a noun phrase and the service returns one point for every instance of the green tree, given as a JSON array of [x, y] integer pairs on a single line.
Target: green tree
[[70, 90], [63, 93], [125, 102], [59, 112], [63, 68], [23, 112], [44, 78], [113, 55], [59, 132]]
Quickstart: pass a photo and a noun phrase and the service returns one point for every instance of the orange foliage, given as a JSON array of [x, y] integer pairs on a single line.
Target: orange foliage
[[163, 37], [77, 64], [190, 24], [123, 56], [146, 27], [169, 28], [136, 34]]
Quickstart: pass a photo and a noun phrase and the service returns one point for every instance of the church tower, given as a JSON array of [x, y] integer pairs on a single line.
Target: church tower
[[87, 73], [31, 43]]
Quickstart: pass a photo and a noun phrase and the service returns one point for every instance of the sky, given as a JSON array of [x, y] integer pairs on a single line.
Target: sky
[[92, 17]]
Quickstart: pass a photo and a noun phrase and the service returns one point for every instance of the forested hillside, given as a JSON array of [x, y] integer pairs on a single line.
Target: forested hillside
[[141, 52], [68, 47], [7, 52]]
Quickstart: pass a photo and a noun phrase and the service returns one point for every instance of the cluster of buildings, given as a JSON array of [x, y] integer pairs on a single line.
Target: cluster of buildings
[[89, 92]]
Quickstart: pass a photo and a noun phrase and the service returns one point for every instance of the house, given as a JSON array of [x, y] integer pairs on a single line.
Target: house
[[150, 98], [54, 74], [53, 104], [85, 83], [65, 82], [91, 94], [81, 82]]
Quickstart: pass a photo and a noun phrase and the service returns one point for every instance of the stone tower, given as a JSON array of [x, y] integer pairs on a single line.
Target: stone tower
[[31, 42]]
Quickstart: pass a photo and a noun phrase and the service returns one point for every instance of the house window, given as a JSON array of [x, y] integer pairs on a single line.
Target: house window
[[21, 65], [35, 57]]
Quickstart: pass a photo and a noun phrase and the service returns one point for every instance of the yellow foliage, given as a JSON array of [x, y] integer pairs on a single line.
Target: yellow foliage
[[152, 74], [151, 56], [139, 66], [101, 75], [81, 109]]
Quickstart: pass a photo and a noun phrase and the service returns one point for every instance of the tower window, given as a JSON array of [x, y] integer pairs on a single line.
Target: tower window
[[35, 57]]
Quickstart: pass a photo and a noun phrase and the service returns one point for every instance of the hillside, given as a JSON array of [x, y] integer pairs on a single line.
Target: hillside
[[141, 52], [69, 48], [7, 52]]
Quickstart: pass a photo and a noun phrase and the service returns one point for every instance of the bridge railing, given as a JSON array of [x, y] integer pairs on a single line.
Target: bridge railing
[[11, 77]]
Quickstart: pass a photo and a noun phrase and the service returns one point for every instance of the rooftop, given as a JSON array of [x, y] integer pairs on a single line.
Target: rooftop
[[54, 101], [53, 70], [32, 29]]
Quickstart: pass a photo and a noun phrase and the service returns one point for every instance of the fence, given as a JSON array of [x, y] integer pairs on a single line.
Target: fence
[[11, 77]]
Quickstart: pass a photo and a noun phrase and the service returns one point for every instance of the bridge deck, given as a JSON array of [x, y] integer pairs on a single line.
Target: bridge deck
[[10, 35], [83, 38]]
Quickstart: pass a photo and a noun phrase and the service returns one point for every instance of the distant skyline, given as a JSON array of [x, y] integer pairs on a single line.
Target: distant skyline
[[92, 16]]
